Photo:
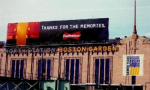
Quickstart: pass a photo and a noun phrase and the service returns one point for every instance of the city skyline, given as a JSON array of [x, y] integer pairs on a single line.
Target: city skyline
[[119, 12]]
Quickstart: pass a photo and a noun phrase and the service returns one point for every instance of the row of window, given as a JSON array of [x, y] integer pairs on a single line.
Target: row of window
[[72, 68]]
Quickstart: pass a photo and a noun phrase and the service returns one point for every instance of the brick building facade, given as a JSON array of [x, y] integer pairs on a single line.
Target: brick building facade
[[92, 67], [81, 67]]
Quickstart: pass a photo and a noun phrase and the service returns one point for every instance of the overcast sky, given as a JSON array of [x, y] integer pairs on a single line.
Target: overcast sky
[[119, 12]]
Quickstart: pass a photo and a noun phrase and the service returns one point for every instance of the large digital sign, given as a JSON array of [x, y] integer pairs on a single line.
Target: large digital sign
[[35, 33]]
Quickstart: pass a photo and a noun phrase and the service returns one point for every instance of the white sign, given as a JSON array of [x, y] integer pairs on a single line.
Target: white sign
[[133, 65]]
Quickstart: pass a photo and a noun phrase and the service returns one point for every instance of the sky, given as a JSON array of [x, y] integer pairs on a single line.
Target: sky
[[119, 12]]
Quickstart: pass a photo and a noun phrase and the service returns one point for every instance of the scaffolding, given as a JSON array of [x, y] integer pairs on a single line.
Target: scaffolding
[[53, 83]]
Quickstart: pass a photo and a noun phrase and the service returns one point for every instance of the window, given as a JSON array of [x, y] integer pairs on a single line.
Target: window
[[133, 79], [17, 69], [77, 72], [48, 68], [72, 70], [67, 69], [13, 69], [107, 72], [102, 70], [96, 70], [44, 67]]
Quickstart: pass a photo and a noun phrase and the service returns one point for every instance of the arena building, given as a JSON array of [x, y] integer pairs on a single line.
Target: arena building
[[79, 51]]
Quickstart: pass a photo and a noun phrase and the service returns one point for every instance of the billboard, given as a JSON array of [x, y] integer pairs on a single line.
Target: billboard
[[35, 33], [133, 65]]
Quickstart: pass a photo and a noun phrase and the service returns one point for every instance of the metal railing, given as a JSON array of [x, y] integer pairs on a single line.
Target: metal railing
[[26, 75]]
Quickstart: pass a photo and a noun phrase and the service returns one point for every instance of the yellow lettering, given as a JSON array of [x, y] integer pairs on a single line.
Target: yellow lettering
[[83, 49], [90, 49], [104, 48], [65, 49], [99, 48], [109, 48], [114, 48], [78, 49], [69, 49], [95, 48]]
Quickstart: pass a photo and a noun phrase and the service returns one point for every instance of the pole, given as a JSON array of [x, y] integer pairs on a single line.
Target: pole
[[6, 64], [88, 69], [59, 65], [32, 62], [42, 64], [132, 87]]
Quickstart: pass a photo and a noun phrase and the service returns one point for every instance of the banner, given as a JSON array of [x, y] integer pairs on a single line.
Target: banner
[[133, 65], [49, 32]]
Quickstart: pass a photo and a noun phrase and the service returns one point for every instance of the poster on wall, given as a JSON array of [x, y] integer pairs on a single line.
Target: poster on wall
[[133, 65]]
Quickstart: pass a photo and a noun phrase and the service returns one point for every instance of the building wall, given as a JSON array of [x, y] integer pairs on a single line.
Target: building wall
[[2, 62], [128, 46]]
